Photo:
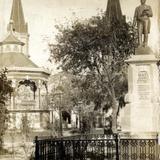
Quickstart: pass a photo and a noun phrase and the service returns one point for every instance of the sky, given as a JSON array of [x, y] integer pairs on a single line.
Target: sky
[[43, 15]]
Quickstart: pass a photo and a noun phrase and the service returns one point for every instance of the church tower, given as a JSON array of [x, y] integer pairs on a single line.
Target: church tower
[[114, 12], [20, 27], [159, 23]]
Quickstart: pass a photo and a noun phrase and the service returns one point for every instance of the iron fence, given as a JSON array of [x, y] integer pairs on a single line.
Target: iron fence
[[139, 149], [96, 147]]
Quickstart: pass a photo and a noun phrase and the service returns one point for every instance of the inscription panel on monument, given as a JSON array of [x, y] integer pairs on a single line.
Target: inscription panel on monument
[[143, 84]]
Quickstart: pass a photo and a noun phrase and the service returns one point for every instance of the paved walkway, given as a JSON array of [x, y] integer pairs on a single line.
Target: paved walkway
[[10, 157], [19, 157]]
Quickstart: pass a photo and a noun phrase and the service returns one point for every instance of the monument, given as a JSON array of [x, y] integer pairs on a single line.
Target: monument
[[142, 19], [141, 116]]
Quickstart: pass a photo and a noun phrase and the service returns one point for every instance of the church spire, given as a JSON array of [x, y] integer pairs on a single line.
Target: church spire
[[159, 15], [114, 12], [19, 26], [17, 17]]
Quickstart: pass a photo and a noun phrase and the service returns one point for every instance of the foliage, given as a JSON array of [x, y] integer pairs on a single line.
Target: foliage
[[25, 126], [5, 90], [5, 86], [61, 91], [96, 52], [3, 122], [26, 136], [88, 121], [60, 99]]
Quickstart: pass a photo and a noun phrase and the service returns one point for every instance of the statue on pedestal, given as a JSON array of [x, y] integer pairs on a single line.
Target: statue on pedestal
[[142, 18]]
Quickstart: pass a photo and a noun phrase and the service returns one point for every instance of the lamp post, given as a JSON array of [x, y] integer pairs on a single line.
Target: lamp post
[[80, 114], [51, 100], [59, 93]]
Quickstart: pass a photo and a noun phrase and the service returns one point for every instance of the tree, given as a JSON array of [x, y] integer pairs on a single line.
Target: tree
[[25, 130], [61, 96], [62, 81], [5, 90], [96, 52]]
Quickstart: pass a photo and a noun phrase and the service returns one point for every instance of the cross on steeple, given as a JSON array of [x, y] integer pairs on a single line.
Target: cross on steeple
[[17, 17]]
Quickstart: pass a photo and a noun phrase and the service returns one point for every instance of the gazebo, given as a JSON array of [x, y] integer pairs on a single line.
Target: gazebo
[[29, 81]]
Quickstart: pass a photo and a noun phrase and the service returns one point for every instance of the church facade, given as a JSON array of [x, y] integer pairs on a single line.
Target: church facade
[[30, 96]]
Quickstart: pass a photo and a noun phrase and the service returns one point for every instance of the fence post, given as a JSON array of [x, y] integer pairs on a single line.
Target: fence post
[[62, 154], [36, 148], [117, 147], [158, 145], [73, 149]]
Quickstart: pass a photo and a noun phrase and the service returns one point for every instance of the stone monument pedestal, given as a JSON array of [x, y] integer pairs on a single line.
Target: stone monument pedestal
[[141, 115]]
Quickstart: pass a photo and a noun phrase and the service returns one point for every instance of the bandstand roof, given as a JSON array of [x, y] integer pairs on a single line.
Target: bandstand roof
[[15, 60], [31, 73]]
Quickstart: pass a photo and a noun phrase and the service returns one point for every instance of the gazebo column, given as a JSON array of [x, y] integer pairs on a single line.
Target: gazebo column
[[46, 86], [12, 107], [39, 93]]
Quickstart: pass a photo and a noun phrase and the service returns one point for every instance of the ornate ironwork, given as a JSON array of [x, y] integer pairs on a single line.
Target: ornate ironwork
[[86, 147], [96, 147], [29, 83], [139, 149]]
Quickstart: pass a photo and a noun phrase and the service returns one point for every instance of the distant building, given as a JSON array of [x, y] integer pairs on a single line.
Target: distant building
[[29, 98]]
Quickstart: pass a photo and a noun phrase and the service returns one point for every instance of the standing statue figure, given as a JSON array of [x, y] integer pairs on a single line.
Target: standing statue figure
[[142, 19]]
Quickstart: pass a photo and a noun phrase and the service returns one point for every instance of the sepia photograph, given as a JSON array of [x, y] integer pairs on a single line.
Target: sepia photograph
[[79, 80]]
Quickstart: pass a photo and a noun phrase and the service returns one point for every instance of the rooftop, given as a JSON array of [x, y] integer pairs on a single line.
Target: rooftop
[[15, 60], [11, 39]]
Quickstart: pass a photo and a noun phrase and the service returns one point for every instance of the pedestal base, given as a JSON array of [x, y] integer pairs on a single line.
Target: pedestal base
[[142, 113], [138, 135]]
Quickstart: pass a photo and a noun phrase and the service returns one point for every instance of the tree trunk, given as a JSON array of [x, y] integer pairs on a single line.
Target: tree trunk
[[114, 116], [60, 123], [3, 121], [114, 113]]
